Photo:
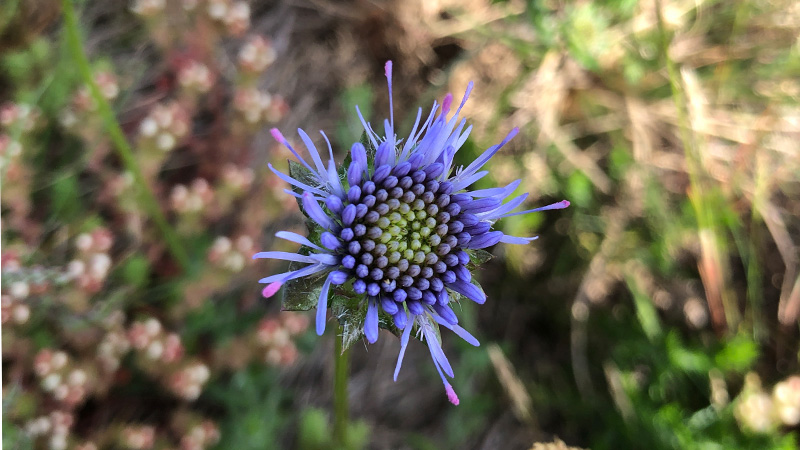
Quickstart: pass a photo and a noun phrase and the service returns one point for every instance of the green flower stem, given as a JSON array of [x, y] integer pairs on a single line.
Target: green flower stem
[[340, 371], [117, 136]]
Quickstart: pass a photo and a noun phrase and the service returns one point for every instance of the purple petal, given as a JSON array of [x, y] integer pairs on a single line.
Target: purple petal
[[558, 205], [388, 71], [497, 213], [349, 214], [384, 154], [436, 349], [330, 241], [291, 275], [359, 154], [447, 313], [517, 240], [468, 290], [482, 205], [322, 306], [315, 212], [400, 320], [485, 240], [389, 305], [338, 277], [354, 173], [296, 238], [371, 321], [403, 345], [296, 183], [479, 228], [487, 155], [286, 256], [312, 150], [334, 203], [462, 273], [279, 137]]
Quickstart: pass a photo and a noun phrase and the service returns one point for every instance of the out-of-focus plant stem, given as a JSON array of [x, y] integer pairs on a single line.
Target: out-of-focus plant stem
[[704, 199], [117, 136], [340, 371]]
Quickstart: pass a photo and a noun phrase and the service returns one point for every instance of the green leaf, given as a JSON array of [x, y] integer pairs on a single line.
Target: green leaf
[[301, 173], [738, 355], [351, 311], [65, 198], [477, 257], [135, 271], [314, 430], [302, 294], [684, 358]]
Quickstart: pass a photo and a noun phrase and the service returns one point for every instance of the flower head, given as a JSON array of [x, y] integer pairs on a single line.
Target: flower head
[[397, 227]]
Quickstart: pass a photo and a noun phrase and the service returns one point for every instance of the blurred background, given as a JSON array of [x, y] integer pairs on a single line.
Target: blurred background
[[659, 311]]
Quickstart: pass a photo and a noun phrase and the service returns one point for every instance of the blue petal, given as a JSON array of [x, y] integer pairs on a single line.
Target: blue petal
[[291, 275], [322, 306], [403, 346], [462, 333], [286, 256], [312, 149], [468, 290], [558, 205], [315, 212], [330, 241], [334, 203], [487, 155], [517, 240], [485, 240], [294, 182], [359, 154], [389, 305], [384, 155], [296, 238], [371, 321], [436, 349], [354, 173]]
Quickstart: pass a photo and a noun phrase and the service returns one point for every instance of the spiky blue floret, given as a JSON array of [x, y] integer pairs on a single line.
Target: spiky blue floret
[[400, 226]]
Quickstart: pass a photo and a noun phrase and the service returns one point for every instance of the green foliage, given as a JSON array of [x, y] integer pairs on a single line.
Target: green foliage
[[315, 433], [253, 408]]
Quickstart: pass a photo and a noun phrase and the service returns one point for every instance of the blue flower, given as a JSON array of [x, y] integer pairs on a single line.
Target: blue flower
[[399, 225]]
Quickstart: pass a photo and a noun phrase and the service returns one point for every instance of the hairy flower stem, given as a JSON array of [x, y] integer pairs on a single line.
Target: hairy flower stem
[[341, 367], [117, 136]]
